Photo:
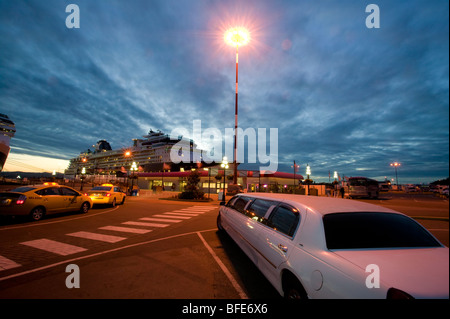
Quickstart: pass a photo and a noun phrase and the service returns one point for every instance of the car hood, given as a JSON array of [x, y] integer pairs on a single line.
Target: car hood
[[420, 272]]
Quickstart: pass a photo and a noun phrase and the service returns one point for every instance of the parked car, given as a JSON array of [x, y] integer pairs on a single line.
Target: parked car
[[320, 247], [37, 201], [107, 194], [234, 189]]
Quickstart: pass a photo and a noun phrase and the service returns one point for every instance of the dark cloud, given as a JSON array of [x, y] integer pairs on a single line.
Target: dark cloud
[[342, 96]]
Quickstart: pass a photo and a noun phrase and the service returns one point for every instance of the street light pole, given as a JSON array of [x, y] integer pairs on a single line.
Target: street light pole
[[224, 165], [235, 37], [308, 172], [236, 118], [395, 165]]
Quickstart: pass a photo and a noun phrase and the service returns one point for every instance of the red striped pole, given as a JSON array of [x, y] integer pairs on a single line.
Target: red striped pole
[[236, 119]]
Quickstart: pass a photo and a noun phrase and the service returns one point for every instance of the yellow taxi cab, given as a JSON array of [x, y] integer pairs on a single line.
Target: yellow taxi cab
[[107, 194], [37, 201]]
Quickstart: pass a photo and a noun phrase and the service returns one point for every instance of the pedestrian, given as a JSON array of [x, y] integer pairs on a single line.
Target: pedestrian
[[342, 191]]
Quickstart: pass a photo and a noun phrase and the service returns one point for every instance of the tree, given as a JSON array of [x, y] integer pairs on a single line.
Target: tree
[[192, 190]]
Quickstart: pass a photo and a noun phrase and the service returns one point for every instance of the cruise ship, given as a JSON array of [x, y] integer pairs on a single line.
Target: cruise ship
[[7, 130], [151, 154]]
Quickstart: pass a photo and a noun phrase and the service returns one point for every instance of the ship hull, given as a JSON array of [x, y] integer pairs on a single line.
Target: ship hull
[[4, 151]]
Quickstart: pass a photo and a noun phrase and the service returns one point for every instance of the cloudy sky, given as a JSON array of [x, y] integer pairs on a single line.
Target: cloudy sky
[[343, 97]]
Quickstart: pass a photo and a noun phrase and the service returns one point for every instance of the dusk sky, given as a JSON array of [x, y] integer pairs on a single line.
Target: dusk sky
[[343, 97]]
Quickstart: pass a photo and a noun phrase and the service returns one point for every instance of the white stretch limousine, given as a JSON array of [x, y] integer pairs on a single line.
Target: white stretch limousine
[[319, 247]]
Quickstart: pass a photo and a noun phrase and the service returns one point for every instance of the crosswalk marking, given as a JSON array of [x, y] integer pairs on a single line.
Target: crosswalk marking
[[188, 211], [205, 208], [145, 224], [64, 249], [99, 237], [161, 220], [54, 246], [6, 263], [174, 217], [182, 214], [126, 229]]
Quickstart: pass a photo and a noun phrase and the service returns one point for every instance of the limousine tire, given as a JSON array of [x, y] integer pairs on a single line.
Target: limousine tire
[[219, 224], [292, 288]]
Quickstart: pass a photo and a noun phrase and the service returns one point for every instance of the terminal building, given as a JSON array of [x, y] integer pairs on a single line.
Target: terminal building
[[147, 164]]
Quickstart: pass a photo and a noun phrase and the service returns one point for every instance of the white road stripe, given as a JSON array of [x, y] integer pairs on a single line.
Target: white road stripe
[[55, 247], [225, 270], [182, 214], [206, 208], [174, 217], [95, 236], [188, 212], [6, 263], [145, 224], [126, 229], [67, 261], [161, 220]]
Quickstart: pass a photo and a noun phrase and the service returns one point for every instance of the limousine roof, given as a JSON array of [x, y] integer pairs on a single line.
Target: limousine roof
[[321, 205]]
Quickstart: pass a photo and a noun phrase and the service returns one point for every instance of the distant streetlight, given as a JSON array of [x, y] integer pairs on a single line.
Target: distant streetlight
[[308, 172], [335, 182], [133, 169], [224, 165], [296, 167], [83, 173], [237, 36], [209, 179], [395, 165]]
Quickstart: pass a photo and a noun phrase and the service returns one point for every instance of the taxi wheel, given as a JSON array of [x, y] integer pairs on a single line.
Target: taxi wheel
[[113, 204], [85, 207], [37, 213], [123, 201]]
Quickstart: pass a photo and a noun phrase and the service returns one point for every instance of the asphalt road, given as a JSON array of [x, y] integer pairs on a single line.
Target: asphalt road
[[172, 255], [149, 248]]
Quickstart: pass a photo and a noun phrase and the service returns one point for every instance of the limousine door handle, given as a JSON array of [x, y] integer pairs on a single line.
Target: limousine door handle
[[283, 248]]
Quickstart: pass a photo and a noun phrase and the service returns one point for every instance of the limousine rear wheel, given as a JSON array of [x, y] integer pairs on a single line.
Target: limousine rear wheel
[[292, 288]]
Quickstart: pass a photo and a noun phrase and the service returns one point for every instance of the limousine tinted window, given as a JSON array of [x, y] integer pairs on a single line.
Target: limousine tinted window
[[284, 220], [374, 230], [240, 203], [259, 207]]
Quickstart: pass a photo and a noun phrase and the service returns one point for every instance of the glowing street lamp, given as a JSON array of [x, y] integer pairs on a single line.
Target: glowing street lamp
[[236, 37], [308, 172], [395, 165], [224, 165]]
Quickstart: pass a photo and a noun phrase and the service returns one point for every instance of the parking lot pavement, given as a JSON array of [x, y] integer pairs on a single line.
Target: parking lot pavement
[[148, 248], [427, 209]]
